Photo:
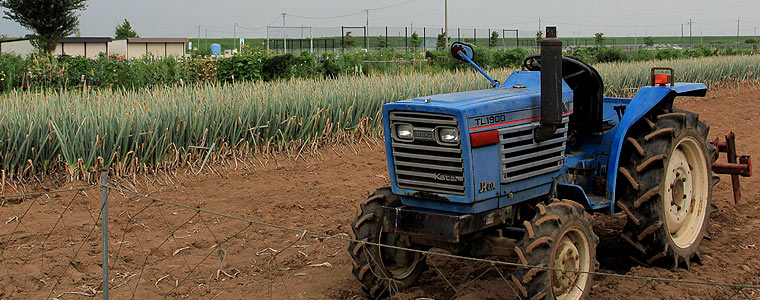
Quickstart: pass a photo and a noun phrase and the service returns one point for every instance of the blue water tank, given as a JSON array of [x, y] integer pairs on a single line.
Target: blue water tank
[[216, 49]]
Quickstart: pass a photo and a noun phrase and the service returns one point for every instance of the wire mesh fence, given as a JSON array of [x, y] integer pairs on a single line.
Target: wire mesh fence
[[52, 249], [334, 39]]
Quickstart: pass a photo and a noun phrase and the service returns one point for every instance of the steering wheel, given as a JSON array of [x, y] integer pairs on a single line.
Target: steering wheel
[[573, 68], [532, 63]]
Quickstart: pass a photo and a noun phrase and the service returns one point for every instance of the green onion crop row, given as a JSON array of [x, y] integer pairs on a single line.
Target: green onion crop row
[[132, 130]]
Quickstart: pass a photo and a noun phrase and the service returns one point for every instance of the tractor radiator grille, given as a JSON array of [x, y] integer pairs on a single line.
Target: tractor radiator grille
[[522, 157], [424, 164]]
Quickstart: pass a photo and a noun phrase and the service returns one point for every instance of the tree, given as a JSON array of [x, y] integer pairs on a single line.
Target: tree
[[348, 40], [124, 30], [493, 41], [51, 20], [752, 42], [649, 41], [440, 42], [381, 43], [415, 41], [539, 36], [599, 38]]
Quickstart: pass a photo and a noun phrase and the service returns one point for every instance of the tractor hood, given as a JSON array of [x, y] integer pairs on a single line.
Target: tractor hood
[[520, 92], [466, 176]]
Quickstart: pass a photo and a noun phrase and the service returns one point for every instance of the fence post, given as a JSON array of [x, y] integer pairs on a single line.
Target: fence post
[[104, 218]]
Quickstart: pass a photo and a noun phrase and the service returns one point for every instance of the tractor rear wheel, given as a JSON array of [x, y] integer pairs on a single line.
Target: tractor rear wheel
[[560, 236], [382, 270], [665, 187]]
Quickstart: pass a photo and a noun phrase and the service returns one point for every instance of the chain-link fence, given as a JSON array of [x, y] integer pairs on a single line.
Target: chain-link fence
[[53, 244]]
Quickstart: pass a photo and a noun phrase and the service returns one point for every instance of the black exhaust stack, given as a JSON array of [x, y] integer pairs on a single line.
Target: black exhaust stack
[[551, 86]]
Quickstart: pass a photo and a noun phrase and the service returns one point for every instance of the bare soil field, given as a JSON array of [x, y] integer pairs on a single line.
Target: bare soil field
[[161, 250]]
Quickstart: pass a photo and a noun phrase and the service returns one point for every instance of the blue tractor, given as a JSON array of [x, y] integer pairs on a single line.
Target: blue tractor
[[517, 169]]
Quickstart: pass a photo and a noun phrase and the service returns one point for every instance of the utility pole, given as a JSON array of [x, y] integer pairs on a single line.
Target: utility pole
[[199, 39], [284, 39], [681, 34], [737, 32], [539, 29], [446, 17], [690, 40], [234, 34], [634, 38], [366, 31]]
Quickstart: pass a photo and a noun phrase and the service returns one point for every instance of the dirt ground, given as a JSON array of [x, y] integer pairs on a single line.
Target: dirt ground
[[160, 250]]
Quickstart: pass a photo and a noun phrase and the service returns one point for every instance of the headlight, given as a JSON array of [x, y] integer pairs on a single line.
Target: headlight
[[448, 135], [404, 131]]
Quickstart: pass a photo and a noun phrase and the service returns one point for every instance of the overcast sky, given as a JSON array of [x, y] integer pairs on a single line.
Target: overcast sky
[[181, 18]]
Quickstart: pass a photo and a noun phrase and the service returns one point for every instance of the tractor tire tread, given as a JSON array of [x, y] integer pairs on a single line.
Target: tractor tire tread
[[366, 228], [646, 230], [533, 281], [640, 150], [653, 159], [627, 175]]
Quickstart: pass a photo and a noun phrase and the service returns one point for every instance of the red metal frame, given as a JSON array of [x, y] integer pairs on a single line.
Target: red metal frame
[[735, 166]]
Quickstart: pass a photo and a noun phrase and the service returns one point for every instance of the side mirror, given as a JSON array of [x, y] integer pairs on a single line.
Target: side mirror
[[458, 50], [464, 52]]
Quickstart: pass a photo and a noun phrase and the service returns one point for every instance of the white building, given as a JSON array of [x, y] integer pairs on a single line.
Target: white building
[[91, 47]]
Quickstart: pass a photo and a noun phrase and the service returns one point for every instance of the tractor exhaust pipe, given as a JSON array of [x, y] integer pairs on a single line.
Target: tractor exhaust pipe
[[551, 86]]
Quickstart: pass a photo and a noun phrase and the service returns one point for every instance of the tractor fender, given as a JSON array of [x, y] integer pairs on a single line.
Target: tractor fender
[[645, 100], [573, 192]]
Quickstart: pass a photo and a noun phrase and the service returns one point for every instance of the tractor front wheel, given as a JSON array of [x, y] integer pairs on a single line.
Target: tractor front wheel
[[560, 237], [382, 270]]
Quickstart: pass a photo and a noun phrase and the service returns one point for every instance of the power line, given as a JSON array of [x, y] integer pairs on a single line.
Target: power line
[[351, 14], [616, 26], [262, 27], [665, 12]]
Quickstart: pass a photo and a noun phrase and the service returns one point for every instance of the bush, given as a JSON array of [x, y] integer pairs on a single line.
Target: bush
[[663, 54], [45, 72], [699, 52], [585, 54], [610, 54], [243, 67], [512, 58], [11, 71], [329, 67], [643, 55], [254, 64], [485, 58], [304, 66]]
